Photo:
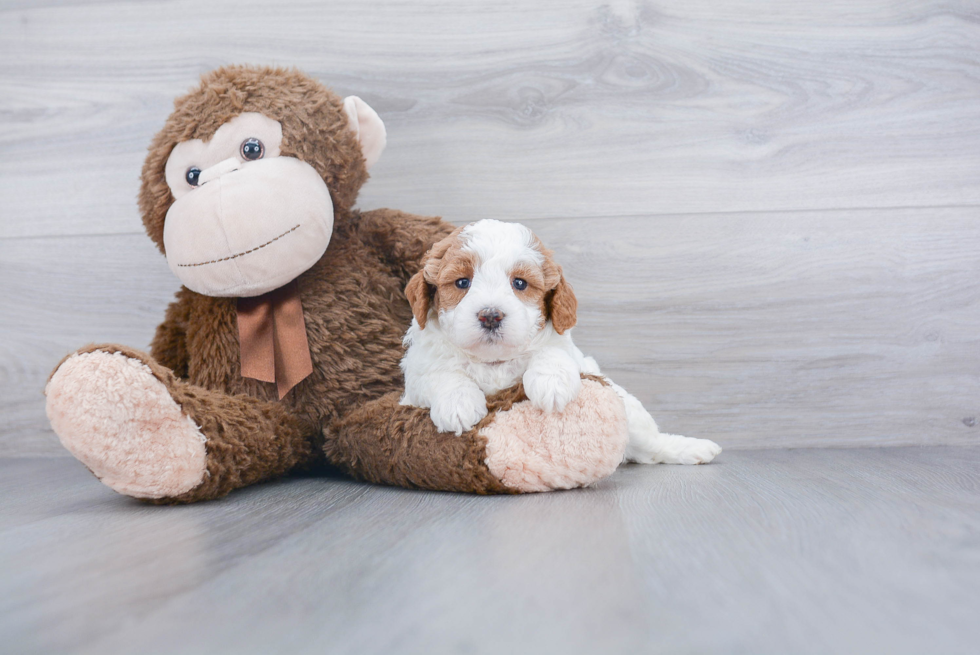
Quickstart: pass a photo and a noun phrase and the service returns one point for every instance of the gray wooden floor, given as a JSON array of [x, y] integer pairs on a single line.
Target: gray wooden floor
[[771, 551], [770, 211]]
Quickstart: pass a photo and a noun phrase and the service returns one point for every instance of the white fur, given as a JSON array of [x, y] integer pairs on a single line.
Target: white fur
[[452, 364]]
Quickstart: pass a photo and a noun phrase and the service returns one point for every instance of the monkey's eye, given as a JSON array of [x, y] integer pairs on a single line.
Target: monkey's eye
[[193, 176], [520, 284], [463, 283], [252, 149]]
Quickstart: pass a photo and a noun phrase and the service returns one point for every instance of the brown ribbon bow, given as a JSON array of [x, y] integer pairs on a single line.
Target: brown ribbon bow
[[272, 334]]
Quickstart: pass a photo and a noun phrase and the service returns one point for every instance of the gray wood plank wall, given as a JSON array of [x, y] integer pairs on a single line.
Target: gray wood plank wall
[[770, 209]]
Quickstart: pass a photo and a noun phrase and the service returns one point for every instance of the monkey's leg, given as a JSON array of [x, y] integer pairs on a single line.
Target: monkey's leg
[[517, 448], [147, 434]]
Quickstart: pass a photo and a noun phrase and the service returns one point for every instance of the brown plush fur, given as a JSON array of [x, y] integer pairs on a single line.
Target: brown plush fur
[[353, 302], [388, 443], [314, 129], [404, 447], [346, 412], [355, 318], [248, 439]]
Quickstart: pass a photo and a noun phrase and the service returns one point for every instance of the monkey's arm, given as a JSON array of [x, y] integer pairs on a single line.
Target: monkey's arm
[[169, 345], [403, 238]]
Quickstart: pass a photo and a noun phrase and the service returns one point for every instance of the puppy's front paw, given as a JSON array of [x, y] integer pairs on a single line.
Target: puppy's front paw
[[458, 410], [551, 389]]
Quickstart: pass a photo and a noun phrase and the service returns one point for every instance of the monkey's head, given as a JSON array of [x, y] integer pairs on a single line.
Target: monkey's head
[[241, 186]]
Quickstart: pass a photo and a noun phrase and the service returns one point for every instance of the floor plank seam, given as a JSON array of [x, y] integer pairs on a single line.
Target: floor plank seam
[[652, 215]]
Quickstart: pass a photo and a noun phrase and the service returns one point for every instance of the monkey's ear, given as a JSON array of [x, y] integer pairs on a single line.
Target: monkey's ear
[[417, 292], [367, 125], [562, 305]]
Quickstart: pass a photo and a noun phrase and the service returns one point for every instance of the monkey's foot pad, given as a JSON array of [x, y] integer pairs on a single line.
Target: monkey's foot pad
[[119, 420]]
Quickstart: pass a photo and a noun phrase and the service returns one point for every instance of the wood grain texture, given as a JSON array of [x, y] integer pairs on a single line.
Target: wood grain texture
[[626, 133], [520, 110], [59, 294], [802, 329], [769, 211], [789, 551]]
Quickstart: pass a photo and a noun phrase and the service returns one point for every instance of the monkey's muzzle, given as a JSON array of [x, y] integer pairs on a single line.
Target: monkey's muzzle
[[249, 229]]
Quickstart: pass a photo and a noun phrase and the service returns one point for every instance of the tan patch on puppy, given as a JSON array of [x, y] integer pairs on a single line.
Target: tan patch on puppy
[[536, 291], [434, 287], [534, 276], [422, 289], [559, 303], [455, 265], [562, 305]]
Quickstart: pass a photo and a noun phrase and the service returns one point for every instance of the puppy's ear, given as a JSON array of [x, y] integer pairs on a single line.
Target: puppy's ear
[[421, 288], [562, 305], [419, 297]]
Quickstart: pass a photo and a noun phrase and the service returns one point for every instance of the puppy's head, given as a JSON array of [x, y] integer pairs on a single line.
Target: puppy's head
[[491, 286]]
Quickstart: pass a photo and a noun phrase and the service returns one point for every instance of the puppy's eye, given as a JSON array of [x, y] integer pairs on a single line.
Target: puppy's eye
[[463, 283], [252, 149], [193, 175], [520, 284]]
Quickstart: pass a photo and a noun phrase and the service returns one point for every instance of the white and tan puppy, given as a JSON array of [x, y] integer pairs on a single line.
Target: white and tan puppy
[[492, 308]]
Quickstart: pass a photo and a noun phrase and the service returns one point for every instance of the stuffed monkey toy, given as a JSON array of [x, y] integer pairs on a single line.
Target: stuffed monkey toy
[[280, 352]]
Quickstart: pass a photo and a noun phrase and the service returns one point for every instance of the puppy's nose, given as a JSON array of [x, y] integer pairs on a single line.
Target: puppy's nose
[[490, 318]]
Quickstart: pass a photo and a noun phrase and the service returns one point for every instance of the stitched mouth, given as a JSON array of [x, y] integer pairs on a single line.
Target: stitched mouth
[[241, 254]]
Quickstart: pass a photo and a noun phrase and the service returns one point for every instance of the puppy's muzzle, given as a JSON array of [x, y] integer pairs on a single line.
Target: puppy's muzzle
[[490, 318]]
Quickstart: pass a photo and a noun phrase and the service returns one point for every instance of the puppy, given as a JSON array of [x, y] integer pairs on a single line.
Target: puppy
[[492, 308]]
